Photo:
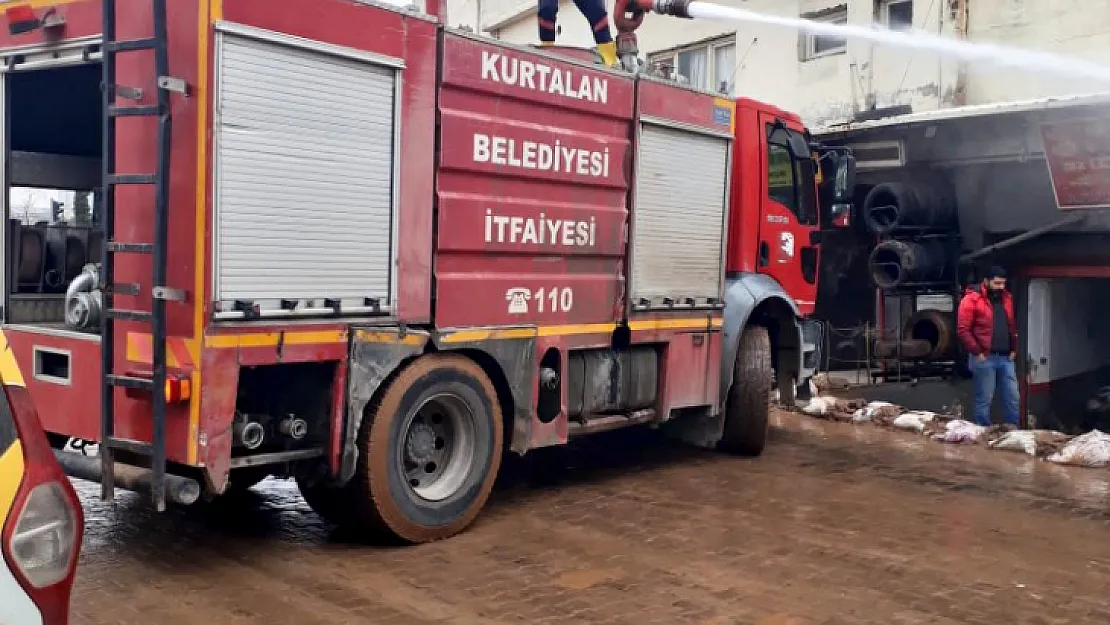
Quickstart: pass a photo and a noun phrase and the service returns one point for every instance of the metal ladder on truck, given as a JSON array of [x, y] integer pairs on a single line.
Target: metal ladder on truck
[[155, 450]]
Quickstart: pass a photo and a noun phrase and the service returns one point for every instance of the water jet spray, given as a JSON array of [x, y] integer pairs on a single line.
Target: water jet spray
[[632, 11]]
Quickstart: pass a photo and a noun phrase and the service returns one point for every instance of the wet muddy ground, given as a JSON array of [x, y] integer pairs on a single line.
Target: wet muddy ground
[[834, 524]]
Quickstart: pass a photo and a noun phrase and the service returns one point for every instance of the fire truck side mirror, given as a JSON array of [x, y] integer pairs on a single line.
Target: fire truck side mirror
[[845, 184]]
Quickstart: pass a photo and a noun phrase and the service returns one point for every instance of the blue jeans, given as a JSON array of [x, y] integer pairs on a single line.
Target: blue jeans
[[996, 371]]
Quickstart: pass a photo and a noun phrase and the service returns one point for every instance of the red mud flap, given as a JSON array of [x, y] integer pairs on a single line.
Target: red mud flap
[[180, 490]]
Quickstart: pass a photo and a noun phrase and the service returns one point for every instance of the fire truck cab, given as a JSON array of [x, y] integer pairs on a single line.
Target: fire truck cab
[[336, 241]]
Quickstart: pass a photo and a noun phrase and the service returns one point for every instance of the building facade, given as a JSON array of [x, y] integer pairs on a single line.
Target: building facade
[[828, 79]]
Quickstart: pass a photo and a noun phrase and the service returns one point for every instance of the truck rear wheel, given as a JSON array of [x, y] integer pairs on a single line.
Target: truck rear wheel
[[748, 405], [430, 449], [330, 502]]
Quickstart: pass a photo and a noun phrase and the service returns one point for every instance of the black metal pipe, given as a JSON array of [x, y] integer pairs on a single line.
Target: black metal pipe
[[674, 8], [628, 15], [161, 242], [181, 490], [107, 267]]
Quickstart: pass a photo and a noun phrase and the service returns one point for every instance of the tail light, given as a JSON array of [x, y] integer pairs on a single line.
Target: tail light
[[178, 389], [43, 543], [42, 538]]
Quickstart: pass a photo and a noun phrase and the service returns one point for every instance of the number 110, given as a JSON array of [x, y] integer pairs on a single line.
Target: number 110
[[558, 300]]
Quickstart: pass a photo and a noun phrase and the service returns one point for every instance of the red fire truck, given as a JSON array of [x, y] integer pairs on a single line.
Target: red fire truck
[[336, 241]]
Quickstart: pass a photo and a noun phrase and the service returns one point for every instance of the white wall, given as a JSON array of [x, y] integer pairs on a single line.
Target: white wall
[[462, 13], [831, 88], [466, 13], [1073, 28]]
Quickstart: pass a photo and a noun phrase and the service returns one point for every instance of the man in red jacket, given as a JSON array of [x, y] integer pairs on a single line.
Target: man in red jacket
[[985, 324]]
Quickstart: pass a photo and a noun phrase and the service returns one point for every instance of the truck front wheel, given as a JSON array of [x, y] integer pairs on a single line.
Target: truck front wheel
[[430, 448], [748, 405]]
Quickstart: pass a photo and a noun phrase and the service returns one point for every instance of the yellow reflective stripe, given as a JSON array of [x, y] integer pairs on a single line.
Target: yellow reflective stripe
[[374, 336], [491, 334], [323, 337], [11, 474], [273, 339], [695, 323], [10, 375]]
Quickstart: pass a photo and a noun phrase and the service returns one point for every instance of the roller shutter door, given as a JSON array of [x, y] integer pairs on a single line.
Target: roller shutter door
[[304, 168], [679, 215]]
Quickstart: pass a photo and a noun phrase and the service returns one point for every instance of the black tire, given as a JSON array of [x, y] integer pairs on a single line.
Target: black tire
[[330, 502], [933, 326], [888, 206], [748, 407], [387, 494]]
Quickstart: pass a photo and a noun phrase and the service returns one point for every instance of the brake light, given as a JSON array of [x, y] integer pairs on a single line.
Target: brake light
[[44, 541], [178, 389]]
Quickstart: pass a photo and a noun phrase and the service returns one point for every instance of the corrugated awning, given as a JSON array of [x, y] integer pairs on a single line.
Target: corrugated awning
[[963, 112]]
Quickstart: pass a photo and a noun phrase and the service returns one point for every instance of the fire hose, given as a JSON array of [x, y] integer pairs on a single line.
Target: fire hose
[[628, 15]]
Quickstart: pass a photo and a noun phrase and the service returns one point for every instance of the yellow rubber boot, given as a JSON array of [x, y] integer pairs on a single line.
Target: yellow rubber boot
[[608, 52]]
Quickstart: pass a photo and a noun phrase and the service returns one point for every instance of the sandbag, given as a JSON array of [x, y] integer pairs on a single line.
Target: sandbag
[[835, 408], [879, 412], [914, 421], [1086, 450], [960, 431], [1040, 443], [819, 406]]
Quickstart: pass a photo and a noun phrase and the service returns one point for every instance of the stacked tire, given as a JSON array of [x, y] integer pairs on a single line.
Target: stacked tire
[[912, 219]]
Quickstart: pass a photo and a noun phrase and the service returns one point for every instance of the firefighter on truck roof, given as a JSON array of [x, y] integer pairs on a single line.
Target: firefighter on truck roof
[[596, 15]]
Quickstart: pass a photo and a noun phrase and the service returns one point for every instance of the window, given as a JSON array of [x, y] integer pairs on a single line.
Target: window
[[790, 182], [814, 46], [724, 60], [710, 66], [780, 175], [895, 14]]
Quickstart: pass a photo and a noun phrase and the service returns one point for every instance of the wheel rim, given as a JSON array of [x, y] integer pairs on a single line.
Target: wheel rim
[[438, 447]]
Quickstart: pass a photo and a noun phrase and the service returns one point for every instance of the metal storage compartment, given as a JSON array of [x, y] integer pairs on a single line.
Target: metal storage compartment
[[305, 159], [679, 216]]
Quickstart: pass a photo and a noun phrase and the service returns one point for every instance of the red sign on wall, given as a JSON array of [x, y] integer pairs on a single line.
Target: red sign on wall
[[1078, 157]]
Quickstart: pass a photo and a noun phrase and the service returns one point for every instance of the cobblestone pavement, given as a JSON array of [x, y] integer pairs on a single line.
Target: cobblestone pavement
[[834, 524]]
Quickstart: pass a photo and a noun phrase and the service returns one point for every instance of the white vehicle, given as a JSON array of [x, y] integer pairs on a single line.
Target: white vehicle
[[41, 522]]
